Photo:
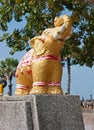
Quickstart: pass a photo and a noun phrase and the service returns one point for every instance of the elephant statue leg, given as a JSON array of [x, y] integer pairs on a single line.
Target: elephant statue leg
[[24, 81], [54, 86], [24, 74], [39, 74]]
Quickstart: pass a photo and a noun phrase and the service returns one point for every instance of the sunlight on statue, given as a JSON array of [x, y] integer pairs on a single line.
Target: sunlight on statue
[[40, 70]]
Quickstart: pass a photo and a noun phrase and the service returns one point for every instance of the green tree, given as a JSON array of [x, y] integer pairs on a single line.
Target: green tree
[[39, 14], [80, 48], [7, 69]]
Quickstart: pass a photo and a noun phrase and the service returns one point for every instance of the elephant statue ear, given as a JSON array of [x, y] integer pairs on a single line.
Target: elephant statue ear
[[37, 45]]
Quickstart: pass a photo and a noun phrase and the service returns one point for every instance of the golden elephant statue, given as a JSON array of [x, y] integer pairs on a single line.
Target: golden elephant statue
[[40, 70]]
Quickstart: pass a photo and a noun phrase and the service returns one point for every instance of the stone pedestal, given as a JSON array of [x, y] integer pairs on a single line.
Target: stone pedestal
[[41, 112]]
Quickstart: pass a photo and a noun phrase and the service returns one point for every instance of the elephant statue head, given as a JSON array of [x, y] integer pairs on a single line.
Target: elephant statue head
[[60, 33]]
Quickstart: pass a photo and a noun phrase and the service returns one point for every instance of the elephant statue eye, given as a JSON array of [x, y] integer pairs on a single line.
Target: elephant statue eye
[[47, 33]]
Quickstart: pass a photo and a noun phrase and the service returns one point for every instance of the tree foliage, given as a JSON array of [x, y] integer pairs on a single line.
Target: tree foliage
[[7, 70], [8, 66], [39, 15], [81, 45]]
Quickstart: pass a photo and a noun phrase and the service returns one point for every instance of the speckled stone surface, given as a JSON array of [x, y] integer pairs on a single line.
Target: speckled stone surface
[[15, 115], [41, 112]]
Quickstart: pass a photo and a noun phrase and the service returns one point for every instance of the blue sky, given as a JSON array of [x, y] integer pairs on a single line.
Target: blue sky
[[82, 78]]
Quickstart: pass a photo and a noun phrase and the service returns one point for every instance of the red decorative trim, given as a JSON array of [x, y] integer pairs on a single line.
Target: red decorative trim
[[21, 86], [39, 84], [55, 84], [47, 57]]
